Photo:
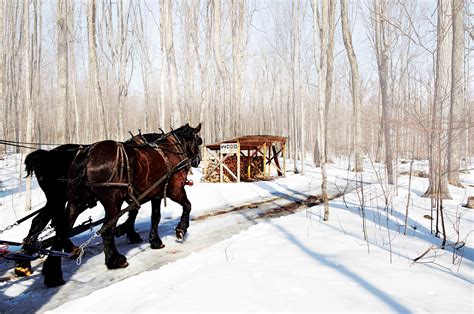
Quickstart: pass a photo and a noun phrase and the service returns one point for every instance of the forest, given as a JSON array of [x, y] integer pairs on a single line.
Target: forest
[[370, 103], [391, 77]]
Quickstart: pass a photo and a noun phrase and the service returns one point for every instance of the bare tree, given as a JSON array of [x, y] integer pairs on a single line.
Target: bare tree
[[355, 79], [438, 187], [2, 69], [456, 127], [320, 22], [62, 70], [238, 11], [73, 72], [27, 75], [382, 48], [221, 67], [145, 62], [329, 67], [94, 66], [166, 14]]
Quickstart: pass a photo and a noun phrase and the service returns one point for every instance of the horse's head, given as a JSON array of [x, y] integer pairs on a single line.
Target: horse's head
[[191, 140]]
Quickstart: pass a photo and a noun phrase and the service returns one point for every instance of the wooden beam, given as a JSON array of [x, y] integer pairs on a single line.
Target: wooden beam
[[238, 162], [264, 157], [221, 170], [232, 174]]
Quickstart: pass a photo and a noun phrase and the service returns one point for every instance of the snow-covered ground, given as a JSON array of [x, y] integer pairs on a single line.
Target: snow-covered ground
[[292, 263]]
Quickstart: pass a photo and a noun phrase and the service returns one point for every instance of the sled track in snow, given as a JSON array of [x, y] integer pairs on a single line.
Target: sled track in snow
[[205, 230]]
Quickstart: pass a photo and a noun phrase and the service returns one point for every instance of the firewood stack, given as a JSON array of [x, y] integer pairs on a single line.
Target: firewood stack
[[256, 169]]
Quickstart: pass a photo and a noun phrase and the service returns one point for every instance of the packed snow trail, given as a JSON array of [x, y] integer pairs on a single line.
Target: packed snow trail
[[204, 231]]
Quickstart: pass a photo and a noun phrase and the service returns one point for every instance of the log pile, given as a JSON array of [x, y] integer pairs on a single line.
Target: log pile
[[256, 169]]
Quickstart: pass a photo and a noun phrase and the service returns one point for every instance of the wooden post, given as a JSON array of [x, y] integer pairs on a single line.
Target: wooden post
[[269, 159], [264, 159], [221, 168], [283, 152], [248, 163], [238, 162], [206, 162]]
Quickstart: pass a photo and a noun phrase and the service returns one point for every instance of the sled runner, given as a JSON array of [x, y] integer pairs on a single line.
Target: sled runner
[[13, 251]]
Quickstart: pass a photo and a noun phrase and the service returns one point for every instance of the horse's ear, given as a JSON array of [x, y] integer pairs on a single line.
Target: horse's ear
[[198, 128], [187, 124]]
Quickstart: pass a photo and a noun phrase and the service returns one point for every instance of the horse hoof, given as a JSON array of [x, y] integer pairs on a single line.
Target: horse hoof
[[23, 271], [51, 283], [180, 234], [120, 262], [156, 246], [123, 264]]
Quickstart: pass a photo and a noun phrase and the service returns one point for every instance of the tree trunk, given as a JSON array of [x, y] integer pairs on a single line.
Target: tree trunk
[[2, 71], [355, 79], [320, 26], [216, 33], [438, 186], [455, 132], [73, 75], [238, 10], [382, 49], [27, 90], [329, 69], [167, 32], [94, 67], [62, 71]]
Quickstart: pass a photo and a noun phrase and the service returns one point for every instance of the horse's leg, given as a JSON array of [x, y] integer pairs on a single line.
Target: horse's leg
[[179, 196], [23, 268], [128, 227], [154, 238], [112, 205], [52, 272]]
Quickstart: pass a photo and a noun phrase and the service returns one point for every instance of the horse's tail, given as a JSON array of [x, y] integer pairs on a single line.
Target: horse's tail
[[34, 161]]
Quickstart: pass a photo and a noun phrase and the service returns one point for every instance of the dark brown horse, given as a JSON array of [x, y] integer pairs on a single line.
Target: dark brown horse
[[114, 173], [51, 169]]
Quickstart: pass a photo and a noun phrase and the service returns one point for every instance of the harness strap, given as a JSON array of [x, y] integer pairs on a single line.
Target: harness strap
[[179, 166]]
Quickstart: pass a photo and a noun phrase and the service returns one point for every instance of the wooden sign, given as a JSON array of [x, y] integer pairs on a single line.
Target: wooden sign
[[229, 148]]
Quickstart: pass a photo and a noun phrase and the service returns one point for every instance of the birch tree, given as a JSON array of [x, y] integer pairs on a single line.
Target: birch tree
[[320, 22], [355, 83]]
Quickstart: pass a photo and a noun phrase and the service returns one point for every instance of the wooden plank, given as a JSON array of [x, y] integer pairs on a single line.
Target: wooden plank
[[238, 162], [248, 167], [232, 174], [221, 170], [215, 167], [276, 161], [284, 158]]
